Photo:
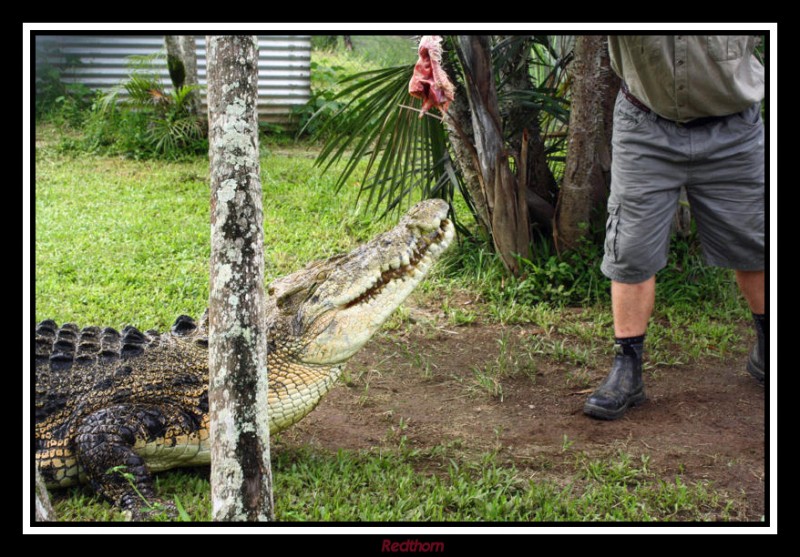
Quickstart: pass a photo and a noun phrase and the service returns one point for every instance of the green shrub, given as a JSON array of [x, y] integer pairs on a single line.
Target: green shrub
[[148, 122], [59, 101], [332, 64], [575, 278], [317, 112], [572, 279]]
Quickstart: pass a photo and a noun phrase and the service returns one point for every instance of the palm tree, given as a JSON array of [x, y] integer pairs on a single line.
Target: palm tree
[[501, 145]]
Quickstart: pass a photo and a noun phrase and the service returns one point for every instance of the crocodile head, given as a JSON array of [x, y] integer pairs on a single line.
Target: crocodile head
[[330, 309]]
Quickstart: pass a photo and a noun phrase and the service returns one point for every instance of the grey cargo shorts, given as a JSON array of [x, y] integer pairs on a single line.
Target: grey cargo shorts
[[722, 166]]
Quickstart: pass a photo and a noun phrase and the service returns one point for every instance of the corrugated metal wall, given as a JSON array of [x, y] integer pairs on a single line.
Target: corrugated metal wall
[[284, 65]]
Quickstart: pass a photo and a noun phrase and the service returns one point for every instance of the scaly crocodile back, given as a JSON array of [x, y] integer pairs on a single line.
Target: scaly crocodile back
[[80, 372]]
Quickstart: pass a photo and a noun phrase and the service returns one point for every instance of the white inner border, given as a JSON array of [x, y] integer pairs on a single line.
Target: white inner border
[[399, 532]]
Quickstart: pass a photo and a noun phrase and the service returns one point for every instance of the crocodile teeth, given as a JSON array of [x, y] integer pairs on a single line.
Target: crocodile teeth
[[410, 267]]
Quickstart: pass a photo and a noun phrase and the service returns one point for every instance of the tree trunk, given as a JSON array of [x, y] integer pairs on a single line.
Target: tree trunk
[[44, 510], [458, 121], [348, 42], [182, 65], [241, 478], [587, 169], [505, 199]]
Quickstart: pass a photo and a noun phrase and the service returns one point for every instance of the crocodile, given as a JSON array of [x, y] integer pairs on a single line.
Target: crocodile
[[137, 402]]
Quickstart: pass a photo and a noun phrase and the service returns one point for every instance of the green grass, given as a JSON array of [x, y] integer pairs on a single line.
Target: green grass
[[191, 490], [117, 239], [511, 361], [409, 485], [120, 240], [369, 52]]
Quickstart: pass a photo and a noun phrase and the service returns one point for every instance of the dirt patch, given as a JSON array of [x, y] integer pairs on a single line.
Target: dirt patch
[[704, 421]]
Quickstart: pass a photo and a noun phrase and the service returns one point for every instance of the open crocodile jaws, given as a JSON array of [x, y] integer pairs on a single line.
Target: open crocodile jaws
[[108, 399]]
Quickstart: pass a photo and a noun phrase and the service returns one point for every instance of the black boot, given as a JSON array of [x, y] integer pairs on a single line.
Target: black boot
[[756, 365], [622, 388]]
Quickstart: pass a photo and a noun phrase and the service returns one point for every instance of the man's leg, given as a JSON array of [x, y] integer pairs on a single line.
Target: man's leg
[[727, 193], [632, 305], [648, 168], [751, 283]]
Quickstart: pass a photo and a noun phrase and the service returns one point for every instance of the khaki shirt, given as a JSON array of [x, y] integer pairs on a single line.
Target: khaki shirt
[[684, 77]]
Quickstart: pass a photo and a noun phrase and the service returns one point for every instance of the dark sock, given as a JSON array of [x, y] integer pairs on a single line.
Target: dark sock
[[631, 346], [761, 323]]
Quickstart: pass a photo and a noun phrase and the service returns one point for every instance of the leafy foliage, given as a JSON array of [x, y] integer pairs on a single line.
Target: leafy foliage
[[57, 100], [575, 278], [140, 119], [404, 153], [315, 114], [331, 64], [409, 156], [546, 278]]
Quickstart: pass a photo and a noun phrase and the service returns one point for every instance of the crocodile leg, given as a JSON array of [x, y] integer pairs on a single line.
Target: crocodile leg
[[105, 444]]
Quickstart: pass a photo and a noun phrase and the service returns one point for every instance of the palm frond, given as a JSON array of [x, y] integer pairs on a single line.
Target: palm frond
[[106, 103], [404, 153], [143, 89], [182, 94], [377, 133]]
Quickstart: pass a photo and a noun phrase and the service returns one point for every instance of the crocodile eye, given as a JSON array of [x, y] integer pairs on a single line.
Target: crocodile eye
[[322, 275], [283, 301], [292, 298]]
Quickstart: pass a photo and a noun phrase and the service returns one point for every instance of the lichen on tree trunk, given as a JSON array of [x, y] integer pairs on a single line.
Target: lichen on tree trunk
[[241, 479]]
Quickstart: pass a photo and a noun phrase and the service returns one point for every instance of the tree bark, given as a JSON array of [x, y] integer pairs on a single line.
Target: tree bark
[[241, 478], [182, 66], [587, 170], [458, 121], [505, 199], [348, 42], [44, 510]]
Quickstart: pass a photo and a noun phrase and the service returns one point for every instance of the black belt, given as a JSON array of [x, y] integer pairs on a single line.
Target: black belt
[[697, 122]]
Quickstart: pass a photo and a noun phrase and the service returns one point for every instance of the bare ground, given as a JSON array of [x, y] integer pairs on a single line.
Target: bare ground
[[704, 421]]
